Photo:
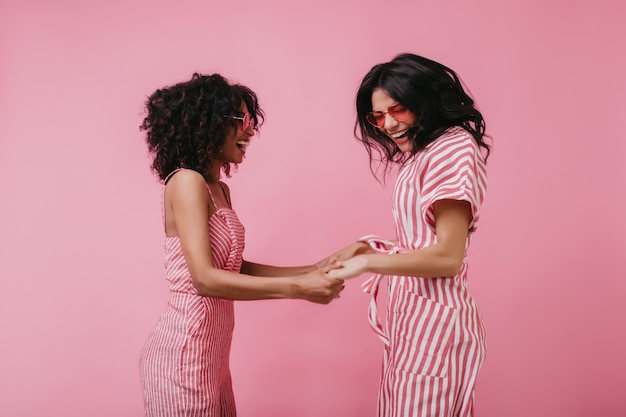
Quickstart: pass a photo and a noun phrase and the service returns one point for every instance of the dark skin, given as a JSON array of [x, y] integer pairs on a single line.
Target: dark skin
[[188, 207]]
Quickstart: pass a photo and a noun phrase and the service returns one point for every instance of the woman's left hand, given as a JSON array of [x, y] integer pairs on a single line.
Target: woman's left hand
[[356, 248], [350, 268]]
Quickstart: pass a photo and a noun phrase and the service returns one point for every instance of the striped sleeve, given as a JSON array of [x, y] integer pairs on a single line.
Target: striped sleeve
[[455, 171]]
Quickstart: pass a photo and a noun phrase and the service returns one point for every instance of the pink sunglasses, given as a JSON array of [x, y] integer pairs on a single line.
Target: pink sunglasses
[[245, 121], [397, 111]]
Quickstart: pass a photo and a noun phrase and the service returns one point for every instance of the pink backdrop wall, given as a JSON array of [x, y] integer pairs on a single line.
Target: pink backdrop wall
[[81, 241]]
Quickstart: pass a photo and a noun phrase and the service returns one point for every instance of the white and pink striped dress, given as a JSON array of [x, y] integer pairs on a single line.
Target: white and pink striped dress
[[185, 362], [434, 338]]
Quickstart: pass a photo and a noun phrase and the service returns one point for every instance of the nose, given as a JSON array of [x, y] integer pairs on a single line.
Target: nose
[[390, 122], [249, 131]]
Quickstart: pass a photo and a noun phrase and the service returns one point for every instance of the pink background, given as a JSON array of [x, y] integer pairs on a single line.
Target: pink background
[[81, 237]]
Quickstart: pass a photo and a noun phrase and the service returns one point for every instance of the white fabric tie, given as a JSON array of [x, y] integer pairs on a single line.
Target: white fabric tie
[[371, 285]]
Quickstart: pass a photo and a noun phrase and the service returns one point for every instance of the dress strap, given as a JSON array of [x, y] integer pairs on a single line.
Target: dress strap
[[225, 195], [170, 176], [211, 195]]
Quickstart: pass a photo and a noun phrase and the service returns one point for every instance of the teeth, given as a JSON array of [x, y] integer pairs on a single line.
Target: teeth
[[399, 134]]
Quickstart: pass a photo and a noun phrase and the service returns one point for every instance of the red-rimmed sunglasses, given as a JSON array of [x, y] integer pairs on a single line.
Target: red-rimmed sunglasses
[[397, 111], [245, 121]]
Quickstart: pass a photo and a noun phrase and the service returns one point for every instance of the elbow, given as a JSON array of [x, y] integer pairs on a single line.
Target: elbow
[[453, 266], [205, 287], [203, 290]]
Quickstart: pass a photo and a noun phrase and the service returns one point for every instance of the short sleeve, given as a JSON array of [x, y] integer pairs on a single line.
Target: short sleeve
[[455, 171]]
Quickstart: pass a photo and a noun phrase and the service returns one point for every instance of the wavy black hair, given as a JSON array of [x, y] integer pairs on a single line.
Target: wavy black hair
[[185, 124], [431, 91]]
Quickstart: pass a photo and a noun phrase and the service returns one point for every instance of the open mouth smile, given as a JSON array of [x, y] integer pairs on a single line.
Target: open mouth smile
[[243, 144], [399, 136]]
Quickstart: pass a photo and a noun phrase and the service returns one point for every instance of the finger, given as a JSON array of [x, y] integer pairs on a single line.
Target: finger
[[339, 285], [333, 266], [323, 263], [332, 274]]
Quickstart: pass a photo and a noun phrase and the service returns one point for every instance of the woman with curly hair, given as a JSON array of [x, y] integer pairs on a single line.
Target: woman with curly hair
[[195, 130], [414, 112]]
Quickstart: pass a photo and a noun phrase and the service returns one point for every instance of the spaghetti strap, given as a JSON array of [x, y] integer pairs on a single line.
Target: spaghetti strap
[[211, 195], [170, 176], [225, 195]]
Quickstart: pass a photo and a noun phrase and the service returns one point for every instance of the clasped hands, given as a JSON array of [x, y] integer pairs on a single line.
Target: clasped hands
[[324, 282], [346, 263]]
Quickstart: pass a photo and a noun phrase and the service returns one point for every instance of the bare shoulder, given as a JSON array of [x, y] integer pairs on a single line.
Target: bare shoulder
[[186, 182], [186, 178]]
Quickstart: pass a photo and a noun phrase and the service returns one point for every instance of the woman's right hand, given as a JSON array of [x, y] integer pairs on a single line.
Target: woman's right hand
[[317, 287]]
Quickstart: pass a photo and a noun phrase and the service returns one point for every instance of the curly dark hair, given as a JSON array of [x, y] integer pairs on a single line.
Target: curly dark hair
[[185, 124], [429, 90]]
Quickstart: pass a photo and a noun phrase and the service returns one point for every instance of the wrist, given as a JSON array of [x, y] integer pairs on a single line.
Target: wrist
[[365, 262], [294, 289]]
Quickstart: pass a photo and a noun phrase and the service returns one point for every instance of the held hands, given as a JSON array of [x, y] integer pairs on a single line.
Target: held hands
[[348, 263], [350, 251], [351, 268], [318, 287], [326, 282]]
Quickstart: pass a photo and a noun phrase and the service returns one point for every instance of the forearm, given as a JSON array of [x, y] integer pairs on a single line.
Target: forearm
[[215, 282], [430, 262], [260, 270]]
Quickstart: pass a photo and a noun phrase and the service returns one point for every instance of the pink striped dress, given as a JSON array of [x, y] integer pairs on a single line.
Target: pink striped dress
[[434, 337], [185, 362]]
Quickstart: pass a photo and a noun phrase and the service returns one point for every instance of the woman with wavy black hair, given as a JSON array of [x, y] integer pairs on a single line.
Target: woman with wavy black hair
[[414, 112], [195, 131]]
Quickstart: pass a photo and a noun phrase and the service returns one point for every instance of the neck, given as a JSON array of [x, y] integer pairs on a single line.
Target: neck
[[215, 172]]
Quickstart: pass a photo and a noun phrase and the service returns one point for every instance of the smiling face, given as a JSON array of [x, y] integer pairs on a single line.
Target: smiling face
[[395, 129], [237, 141]]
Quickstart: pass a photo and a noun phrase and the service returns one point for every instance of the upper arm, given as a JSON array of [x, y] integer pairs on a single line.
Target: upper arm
[[189, 200], [455, 171], [452, 222]]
